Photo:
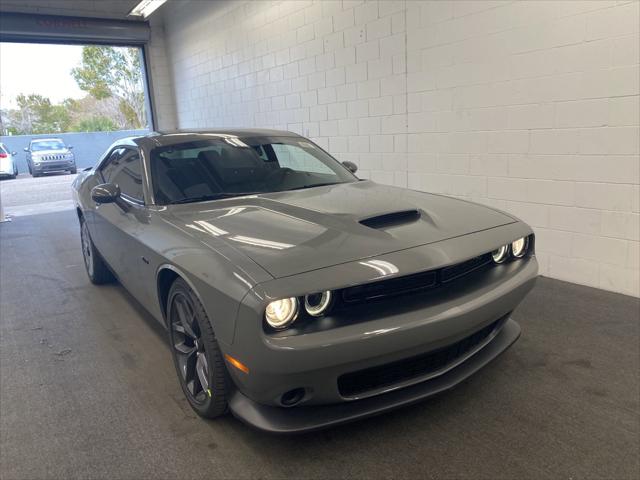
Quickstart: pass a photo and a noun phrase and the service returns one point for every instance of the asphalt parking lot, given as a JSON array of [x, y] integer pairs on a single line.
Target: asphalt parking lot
[[29, 196], [88, 390]]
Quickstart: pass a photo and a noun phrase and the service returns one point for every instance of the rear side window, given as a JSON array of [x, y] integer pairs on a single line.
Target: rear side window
[[124, 168]]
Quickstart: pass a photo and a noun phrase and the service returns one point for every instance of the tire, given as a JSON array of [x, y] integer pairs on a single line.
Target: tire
[[196, 354], [94, 264], [35, 174], [73, 171]]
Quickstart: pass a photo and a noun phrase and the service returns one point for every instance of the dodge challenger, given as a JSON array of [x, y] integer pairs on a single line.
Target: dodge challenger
[[295, 295]]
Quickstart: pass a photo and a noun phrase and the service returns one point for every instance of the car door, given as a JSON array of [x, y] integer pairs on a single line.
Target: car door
[[96, 218], [119, 226]]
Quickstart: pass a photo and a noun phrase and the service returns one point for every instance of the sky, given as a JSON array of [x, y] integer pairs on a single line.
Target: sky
[[38, 68]]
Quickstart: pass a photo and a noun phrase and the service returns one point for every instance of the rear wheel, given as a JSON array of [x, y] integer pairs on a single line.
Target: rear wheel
[[96, 267], [196, 354]]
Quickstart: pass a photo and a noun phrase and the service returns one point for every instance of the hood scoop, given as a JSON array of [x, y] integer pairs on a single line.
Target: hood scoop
[[391, 219]]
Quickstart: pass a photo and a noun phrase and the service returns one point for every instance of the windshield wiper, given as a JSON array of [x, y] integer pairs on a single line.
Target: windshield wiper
[[214, 196], [312, 185]]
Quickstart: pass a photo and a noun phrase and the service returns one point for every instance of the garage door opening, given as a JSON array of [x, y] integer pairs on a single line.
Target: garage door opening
[[61, 106]]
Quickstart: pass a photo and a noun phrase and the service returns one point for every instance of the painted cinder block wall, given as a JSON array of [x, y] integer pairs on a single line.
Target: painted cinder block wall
[[531, 106]]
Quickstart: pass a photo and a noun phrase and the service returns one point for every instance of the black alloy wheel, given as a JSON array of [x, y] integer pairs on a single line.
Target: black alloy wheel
[[196, 354]]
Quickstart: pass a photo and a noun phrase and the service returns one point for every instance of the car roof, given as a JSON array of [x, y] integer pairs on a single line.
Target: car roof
[[58, 139], [164, 138]]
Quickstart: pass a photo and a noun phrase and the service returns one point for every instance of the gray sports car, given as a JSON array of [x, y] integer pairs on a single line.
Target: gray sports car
[[294, 294]]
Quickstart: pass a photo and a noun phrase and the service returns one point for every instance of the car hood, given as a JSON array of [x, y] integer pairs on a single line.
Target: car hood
[[292, 232]]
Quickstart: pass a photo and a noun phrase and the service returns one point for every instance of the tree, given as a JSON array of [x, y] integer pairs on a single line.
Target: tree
[[114, 72], [36, 114], [95, 124]]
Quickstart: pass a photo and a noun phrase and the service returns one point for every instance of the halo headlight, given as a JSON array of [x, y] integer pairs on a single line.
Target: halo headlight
[[519, 247], [317, 303], [281, 313], [501, 254]]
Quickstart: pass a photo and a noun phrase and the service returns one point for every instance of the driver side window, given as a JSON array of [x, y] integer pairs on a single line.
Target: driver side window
[[125, 170]]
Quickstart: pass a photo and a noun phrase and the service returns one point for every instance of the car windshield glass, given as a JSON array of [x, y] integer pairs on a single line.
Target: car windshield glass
[[47, 145], [225, 166]]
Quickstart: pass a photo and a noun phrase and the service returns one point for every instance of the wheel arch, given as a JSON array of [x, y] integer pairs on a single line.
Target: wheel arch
[[167, 274]]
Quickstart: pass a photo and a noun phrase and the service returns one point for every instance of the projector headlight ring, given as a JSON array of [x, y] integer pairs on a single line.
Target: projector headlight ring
[[317, 304], [501, 254], [519, 247], [281, 313]]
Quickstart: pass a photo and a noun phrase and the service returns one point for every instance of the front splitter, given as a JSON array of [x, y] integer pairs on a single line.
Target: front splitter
[[308, 418]]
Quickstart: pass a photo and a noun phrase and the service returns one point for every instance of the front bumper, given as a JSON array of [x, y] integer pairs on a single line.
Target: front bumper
[[391, 334], [54, 166], [307, 418]]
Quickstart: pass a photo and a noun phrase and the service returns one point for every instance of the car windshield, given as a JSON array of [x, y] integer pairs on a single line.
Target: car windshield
[[47, 145], [227, 166]]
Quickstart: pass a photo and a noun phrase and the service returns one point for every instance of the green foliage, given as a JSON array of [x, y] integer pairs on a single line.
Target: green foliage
[[114, 72], [38, 115], [95, 124]]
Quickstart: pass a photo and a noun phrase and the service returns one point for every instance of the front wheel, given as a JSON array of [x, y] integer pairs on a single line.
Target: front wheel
[[96, 267], [73, 171], [196, 354]]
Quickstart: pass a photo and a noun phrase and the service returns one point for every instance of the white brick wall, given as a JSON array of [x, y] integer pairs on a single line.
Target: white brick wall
[[161, 81], [528, 106]]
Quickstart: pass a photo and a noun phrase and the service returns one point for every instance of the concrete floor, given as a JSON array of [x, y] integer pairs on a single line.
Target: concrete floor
[[88, 390]]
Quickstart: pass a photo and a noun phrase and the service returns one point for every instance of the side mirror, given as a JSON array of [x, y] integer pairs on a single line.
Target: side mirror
[[26, 149], [14, 153], [352, 167], [105, 193], [69, 147]]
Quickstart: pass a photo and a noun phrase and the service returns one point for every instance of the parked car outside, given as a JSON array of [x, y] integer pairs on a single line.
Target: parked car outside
[[294, 294], [45, 155], [8, 163]]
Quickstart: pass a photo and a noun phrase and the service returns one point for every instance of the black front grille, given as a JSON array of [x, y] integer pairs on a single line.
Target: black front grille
[[394, 286], [370, 379], [455, 271], [413, 283]]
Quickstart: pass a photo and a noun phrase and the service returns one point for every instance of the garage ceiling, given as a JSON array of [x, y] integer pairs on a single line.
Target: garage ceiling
[[111, 9]]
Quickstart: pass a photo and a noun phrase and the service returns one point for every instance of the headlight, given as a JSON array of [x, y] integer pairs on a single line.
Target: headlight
[[501, 254], [317, 303], [519, 247], [281, 313]]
